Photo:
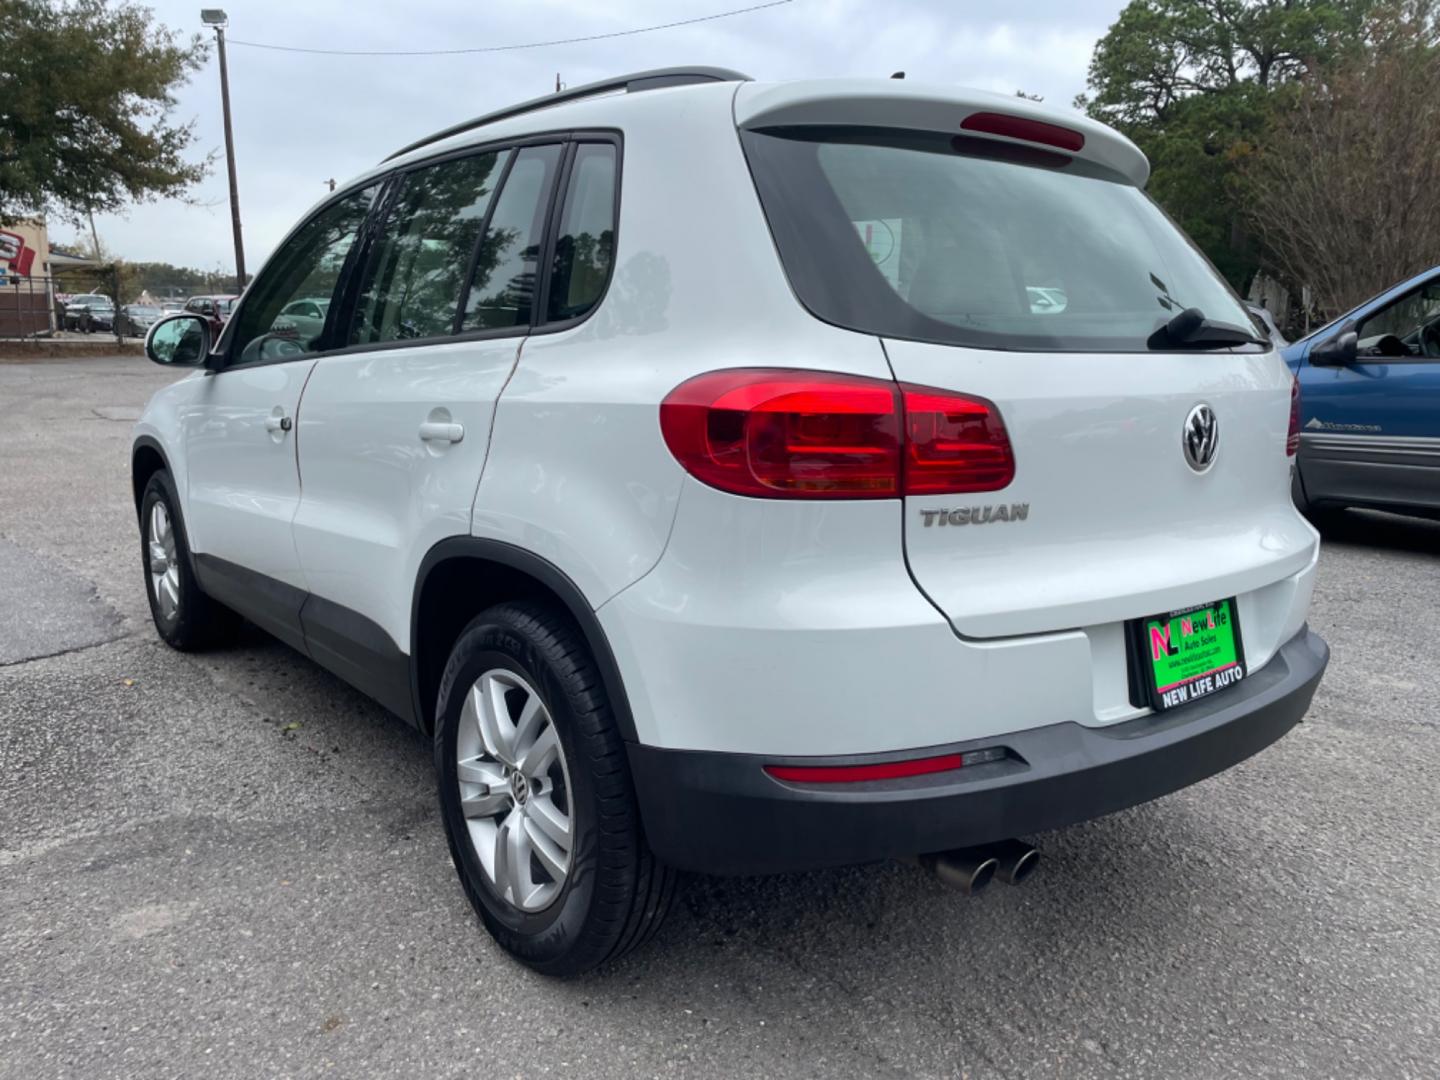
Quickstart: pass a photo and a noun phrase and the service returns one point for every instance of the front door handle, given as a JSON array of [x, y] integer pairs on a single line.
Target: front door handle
[[434, 431], [280, 422]]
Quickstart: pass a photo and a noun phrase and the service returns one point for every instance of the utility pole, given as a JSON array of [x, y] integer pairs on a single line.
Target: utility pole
[[216, 18]]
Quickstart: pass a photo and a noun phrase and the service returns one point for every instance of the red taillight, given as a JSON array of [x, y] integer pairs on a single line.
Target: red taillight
[[1019, 127], [784, 434], [854, 774], [816, 435], [954, 443], [1292, 440]]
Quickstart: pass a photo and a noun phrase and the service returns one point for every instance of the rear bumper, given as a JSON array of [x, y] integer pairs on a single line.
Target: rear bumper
[[722, 814]]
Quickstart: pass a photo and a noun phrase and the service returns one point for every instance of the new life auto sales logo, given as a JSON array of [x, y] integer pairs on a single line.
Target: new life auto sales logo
[[13, 250]]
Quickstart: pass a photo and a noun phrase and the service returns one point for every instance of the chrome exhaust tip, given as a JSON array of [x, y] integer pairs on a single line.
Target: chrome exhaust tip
[[1016, 861], [966, 870]]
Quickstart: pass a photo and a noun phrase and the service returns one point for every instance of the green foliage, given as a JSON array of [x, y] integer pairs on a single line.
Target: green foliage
[[160, 280], [1195, 82], [1342, 191], [84, 118]]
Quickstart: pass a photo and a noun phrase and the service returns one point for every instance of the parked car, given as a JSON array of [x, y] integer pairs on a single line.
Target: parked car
[[89, 312], [135, 319], [214, 309], [303, 320], [696, 540], [1370, 426]]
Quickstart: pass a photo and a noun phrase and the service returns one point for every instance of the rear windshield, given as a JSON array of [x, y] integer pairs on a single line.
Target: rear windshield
[[968, 241]]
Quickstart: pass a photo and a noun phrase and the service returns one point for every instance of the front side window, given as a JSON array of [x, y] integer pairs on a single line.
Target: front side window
[[585, 246], [1408, 327], [502, 289], [415, 276], [307, 267], [968, 241]]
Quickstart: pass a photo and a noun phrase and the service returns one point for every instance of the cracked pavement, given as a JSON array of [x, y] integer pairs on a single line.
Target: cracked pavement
[[230, 864]]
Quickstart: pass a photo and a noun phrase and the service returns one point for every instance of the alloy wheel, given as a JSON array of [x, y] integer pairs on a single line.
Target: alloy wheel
[[515, 790], [164, 567]]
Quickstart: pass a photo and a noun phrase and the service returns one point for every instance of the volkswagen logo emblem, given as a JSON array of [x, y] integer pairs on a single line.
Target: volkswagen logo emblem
[[1200, 438]]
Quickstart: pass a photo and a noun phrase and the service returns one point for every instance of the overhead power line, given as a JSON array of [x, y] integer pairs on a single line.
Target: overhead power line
[[510, 48]]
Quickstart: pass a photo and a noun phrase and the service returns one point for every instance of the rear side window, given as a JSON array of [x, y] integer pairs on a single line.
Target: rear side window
[[969, 241], [417, 271], [502, 287], [585, 245]]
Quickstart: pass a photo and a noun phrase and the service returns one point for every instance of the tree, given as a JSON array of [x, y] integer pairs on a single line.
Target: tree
[[1194, 82], [1343, 192], [86, 92]]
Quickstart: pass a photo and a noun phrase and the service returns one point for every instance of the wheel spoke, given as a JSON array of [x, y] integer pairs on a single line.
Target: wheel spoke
[[540, 753], [550, 855], [485, 803], [550, 821], [496, 729], [527, 724], [159, 560], [169, 594], [500, 860], [512, 859], [480, 771], [517, 861], [492, 794]]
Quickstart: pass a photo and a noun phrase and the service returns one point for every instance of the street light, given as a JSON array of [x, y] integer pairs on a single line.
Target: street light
[[216, 17]]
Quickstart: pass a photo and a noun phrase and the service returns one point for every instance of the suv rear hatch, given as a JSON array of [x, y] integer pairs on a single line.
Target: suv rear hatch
[[1005, 253]]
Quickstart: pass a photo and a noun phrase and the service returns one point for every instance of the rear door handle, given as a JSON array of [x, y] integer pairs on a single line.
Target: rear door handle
[[434, 431]]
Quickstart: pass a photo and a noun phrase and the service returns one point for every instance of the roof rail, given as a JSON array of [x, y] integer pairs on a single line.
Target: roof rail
[[640, 80]]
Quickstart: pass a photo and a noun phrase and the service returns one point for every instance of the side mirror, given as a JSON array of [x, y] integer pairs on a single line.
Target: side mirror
[[1338, 351], [179, 341]]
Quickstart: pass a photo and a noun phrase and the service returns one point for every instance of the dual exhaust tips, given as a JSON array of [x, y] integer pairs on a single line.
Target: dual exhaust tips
[[968, 870]]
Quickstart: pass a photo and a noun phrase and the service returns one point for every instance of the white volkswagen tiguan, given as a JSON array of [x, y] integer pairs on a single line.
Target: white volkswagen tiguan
[[689, 458]]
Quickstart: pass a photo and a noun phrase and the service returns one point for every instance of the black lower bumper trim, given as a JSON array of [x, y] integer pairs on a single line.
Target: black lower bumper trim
[[722, 814]]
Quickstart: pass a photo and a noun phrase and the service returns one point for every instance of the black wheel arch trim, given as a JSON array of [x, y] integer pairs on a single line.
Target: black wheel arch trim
[[553, 578], [146, 442]]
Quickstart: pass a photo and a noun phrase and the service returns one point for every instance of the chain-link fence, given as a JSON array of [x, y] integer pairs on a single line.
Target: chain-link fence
[[40, 307]]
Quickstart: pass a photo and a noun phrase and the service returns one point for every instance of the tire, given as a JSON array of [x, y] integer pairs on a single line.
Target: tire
[[611, 894], [184, 616]]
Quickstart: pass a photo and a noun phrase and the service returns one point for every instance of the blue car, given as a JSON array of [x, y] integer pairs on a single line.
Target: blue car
[[1370, 399]]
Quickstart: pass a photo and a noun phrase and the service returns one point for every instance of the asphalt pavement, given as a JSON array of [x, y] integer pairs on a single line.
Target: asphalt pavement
[[231, 864]]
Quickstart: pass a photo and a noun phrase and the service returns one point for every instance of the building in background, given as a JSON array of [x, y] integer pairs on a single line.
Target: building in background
[[29, 290]]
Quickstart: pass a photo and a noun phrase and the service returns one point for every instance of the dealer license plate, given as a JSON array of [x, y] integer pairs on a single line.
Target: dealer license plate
[[1190, 654]]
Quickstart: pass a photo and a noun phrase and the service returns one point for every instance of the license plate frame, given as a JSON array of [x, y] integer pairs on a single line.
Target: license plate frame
[[1211, 667]]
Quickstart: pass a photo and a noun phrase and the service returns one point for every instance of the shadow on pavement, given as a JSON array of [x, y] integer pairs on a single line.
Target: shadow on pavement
[[1373, 528]]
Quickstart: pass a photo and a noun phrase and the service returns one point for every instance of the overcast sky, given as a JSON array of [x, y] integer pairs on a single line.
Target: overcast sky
[[300, 119]]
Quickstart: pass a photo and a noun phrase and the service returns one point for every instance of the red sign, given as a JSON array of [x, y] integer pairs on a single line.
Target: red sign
[[14, 251]]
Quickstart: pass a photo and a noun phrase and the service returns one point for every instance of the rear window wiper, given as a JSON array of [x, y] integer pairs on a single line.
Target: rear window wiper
[[1190, 329]]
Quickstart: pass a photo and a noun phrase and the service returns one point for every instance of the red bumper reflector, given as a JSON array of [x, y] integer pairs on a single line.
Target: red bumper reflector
[[853, 774]]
